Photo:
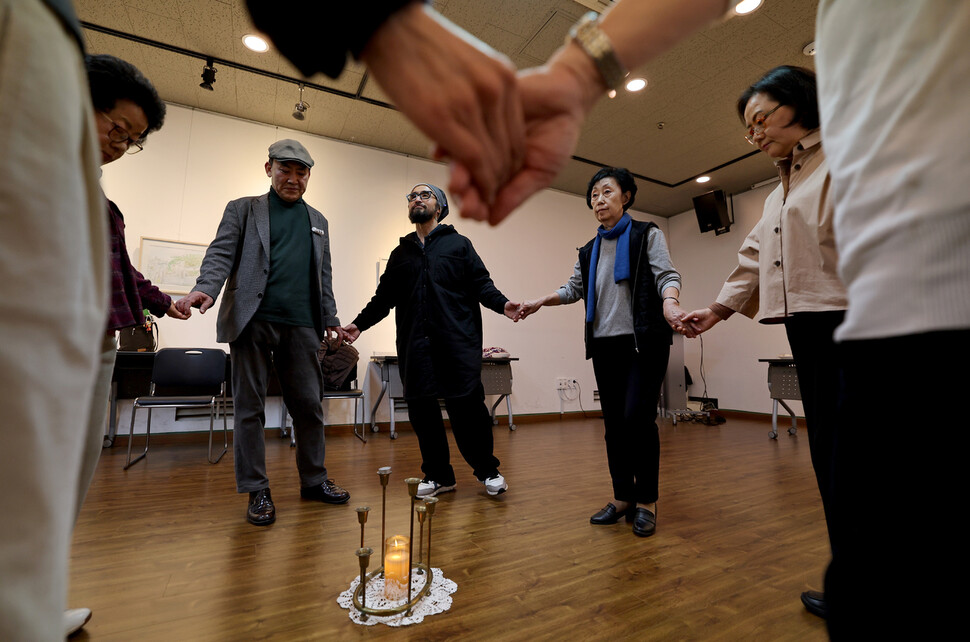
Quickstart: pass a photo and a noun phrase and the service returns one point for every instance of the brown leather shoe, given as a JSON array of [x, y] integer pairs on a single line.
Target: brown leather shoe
[[261, 511], [327, 492]]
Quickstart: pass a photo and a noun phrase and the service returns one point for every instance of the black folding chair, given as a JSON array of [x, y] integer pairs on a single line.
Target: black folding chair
[[348, 391], [201, 372]]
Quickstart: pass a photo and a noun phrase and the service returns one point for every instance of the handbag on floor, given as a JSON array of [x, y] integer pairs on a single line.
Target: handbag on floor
[[139, 338], [338, 363]]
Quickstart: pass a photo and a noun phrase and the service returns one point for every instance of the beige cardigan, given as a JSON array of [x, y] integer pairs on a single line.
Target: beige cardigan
[[788, 262]]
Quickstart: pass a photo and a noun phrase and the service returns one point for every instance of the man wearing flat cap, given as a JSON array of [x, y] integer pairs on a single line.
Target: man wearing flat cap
[[272, 252], [436, 282]]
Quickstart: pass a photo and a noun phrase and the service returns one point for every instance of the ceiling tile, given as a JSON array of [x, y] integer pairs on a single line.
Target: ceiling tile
[[256, 105], [261, 84], [550, 37], [156, 27], [166, 8], [207, 25], [107, 13]]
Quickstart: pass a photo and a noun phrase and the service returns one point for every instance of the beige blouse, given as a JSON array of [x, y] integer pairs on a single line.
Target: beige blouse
[[788, 262]]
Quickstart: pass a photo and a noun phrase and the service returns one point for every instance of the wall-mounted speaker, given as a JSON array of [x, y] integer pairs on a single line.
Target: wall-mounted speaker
[[712, 212]]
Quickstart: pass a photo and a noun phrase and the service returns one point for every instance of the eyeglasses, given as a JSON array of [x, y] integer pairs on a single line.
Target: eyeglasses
[[118, 134], [424, 195], [759, 125]]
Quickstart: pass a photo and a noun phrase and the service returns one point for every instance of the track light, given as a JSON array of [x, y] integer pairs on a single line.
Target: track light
[[208, 74], [300, 109]]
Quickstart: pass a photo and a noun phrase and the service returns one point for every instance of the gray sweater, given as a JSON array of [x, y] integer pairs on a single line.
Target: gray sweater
[[614, 312]]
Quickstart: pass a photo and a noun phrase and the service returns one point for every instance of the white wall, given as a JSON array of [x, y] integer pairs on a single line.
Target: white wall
[[178, 187], [732, 348]]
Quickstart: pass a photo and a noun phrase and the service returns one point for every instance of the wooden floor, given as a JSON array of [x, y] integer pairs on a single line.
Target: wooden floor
[[163, 551]]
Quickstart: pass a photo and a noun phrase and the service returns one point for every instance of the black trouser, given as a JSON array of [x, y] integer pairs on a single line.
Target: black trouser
[[899, 486], [471, 425], [293, 351], [629, 386], [810, 335]]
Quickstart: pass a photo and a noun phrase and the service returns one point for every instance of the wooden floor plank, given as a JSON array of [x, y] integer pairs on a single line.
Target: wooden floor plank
[[163, 551]]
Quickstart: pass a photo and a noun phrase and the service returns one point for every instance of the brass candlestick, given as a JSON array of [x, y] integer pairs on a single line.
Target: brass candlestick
[[362, 518], [412, 483], [429, 504], [363, 555], [384, 473], [422, 513], [423, 569]]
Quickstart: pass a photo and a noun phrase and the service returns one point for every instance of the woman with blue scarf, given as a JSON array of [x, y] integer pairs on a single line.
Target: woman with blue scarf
[[630, 311]]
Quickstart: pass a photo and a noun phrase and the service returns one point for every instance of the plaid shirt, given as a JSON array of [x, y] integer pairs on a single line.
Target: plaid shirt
[[130, 291]]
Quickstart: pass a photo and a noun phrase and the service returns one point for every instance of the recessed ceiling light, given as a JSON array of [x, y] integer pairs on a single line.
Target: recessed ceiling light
[[703, 179], [636, 84], [747, 6], [611, 93], [255, 43]]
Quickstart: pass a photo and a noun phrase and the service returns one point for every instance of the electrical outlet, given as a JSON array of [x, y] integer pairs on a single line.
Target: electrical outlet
[[562, 383]]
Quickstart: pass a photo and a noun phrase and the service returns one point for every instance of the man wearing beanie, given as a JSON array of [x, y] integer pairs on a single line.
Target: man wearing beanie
[[435, 281], [274, 250]]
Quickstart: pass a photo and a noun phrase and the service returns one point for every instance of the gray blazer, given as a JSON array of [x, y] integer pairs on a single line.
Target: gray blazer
[[239, 258]]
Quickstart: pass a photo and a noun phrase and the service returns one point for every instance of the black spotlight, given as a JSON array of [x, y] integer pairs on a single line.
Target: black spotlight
[[208, 74]]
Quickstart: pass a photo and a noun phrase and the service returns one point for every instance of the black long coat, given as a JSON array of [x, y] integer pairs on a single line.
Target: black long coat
[[435, 291]]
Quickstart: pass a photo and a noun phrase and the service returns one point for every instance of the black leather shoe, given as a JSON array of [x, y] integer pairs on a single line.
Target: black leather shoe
[[261, 511], [644, 523], [609, 515], [814, 602], [327, 492]]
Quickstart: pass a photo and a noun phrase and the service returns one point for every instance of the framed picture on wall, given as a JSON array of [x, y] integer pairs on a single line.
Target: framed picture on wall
[[173, 266], [381, 266]]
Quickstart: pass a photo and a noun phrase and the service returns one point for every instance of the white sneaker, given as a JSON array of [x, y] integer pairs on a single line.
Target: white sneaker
[[75, 619], [496, 485], [429, 488]]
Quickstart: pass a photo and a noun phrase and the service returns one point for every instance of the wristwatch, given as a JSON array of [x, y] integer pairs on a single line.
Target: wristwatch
[[597, 46]]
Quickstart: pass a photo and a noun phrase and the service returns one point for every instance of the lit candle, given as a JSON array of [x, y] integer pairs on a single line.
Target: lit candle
[[396, 578]]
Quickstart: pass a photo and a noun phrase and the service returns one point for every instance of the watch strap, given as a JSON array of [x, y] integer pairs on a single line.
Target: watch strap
[[598, 47]]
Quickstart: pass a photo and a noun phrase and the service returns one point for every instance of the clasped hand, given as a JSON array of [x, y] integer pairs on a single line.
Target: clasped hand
[[676, 318]]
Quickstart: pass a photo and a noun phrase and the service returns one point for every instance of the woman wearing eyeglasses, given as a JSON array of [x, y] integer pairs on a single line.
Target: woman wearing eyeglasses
[[630, 288], [787, 264], [127, 109]]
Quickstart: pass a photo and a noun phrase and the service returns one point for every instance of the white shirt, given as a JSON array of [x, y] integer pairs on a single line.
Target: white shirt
[[894, 95]]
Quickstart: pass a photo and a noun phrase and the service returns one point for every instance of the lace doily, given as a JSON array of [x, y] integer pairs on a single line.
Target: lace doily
[[438, 600]]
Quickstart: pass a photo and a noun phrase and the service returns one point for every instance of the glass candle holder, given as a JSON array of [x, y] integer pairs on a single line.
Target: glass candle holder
[[396, 575]]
